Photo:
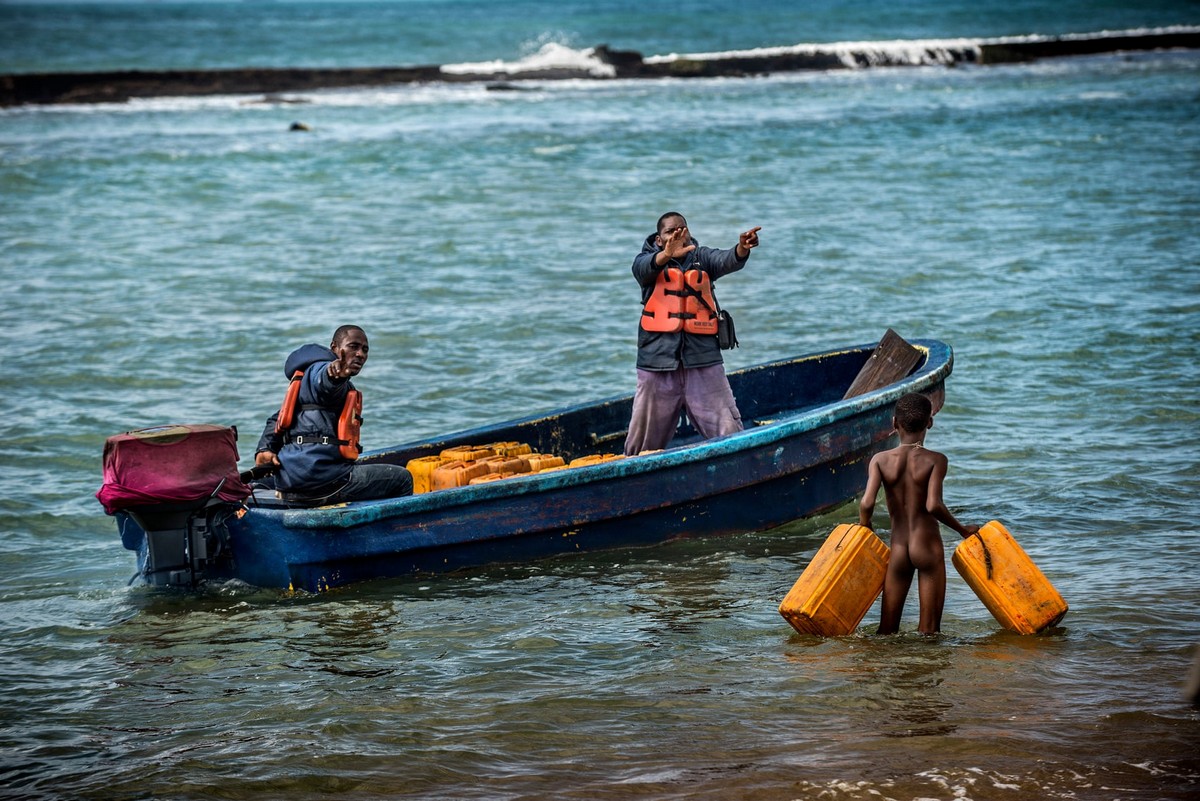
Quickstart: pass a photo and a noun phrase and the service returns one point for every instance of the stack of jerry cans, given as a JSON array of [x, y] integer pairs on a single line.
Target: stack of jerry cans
[[1007, 581], [834, 592]]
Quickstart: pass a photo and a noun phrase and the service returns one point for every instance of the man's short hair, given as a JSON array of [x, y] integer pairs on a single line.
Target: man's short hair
[[667, 216], [343, 331], [913, 412]]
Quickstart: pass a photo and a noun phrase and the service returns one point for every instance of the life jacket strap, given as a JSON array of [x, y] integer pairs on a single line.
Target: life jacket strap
[[313, 438]]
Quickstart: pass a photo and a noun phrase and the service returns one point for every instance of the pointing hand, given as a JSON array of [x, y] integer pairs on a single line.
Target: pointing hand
[[749, 239]]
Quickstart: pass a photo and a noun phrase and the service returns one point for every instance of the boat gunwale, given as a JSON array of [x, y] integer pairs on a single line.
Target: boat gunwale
[[939, 359]]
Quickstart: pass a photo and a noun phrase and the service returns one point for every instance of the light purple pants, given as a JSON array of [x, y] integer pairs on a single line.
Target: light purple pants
[[703, 392]]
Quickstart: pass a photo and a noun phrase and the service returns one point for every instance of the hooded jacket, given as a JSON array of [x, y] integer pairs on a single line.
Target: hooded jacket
[[314, 468], [660, 351]]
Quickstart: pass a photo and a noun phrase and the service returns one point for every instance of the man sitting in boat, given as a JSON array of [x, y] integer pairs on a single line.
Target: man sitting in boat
[[679, 365], [313, 438]]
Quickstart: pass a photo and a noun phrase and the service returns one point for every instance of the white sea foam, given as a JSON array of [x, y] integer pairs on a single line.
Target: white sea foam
[[1082, 37], [851, 54], [352, 97], [906, 52], [551, 56]]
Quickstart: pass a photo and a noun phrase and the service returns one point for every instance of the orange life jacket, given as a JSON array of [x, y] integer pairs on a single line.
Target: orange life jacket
[[349, 425], [287, 412], [349, 419], [681, 301]]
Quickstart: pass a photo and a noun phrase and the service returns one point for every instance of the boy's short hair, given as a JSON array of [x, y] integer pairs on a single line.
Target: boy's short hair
[[913, 412]]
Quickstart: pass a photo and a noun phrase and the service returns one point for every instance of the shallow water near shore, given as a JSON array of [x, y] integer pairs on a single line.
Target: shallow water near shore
[[162, 257]]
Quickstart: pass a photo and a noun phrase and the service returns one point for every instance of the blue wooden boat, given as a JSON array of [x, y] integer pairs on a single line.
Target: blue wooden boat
[[805, 449]]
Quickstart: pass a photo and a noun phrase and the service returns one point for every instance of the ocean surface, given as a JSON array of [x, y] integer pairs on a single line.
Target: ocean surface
[[161, 257]]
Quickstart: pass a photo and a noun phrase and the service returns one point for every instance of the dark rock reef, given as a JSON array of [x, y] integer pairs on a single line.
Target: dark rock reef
[[116, 87]]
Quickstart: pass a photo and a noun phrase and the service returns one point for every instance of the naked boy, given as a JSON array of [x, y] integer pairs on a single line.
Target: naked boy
[[912, 477]]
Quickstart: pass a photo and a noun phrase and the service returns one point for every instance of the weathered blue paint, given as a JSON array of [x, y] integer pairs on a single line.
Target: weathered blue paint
[[804, 450]]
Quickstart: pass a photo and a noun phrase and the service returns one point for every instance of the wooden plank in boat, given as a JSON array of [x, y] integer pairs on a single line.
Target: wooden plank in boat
[[892, 360]]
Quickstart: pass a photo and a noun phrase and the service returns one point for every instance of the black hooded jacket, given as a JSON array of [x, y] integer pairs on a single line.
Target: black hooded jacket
[[668, 351], [316, 467]]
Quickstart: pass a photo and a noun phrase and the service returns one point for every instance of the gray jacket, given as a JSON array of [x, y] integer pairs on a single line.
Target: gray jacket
[[668, 351]]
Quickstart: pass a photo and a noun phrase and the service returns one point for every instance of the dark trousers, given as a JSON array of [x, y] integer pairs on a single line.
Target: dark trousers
[[365, 482], [369, 481], [702, 392]]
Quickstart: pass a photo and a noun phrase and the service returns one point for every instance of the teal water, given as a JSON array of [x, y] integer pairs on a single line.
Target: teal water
[[42, 36], [161, 258]]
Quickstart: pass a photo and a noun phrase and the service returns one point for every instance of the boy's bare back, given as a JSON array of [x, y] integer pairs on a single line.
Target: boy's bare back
[[907, 473]]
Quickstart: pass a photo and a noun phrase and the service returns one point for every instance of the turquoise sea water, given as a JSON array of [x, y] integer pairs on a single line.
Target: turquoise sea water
[[161, 257]]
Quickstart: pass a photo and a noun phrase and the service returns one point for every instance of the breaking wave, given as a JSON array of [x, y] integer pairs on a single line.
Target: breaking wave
[[551, 56]]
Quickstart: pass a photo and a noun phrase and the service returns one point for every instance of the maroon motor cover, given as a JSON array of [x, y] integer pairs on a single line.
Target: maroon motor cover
[[170, 464]]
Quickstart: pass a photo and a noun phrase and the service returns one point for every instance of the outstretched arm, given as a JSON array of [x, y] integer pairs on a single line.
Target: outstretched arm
[[937, 507], [866, 507]]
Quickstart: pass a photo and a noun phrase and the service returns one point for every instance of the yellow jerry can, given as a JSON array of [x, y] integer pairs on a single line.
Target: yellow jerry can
[[456, 474], [506, 464], [594, 458], [422, 472], [541, 461], [489, 477], [467, 453], [834, 592], [1010, 585], [509, 448]]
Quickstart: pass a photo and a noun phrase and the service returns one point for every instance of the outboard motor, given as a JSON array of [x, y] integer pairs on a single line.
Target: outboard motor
[[177, 484]]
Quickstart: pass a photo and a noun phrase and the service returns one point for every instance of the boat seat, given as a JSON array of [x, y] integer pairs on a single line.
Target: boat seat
[[266, 498]]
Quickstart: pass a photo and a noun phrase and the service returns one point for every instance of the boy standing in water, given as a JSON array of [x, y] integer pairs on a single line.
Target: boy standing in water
[[912, 481]]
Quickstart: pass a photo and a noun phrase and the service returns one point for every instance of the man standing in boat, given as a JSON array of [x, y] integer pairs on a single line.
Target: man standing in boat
[[313, 438], [679, 364]]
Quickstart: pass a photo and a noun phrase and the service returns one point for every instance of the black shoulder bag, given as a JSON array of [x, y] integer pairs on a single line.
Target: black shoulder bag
[[726, 336]]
